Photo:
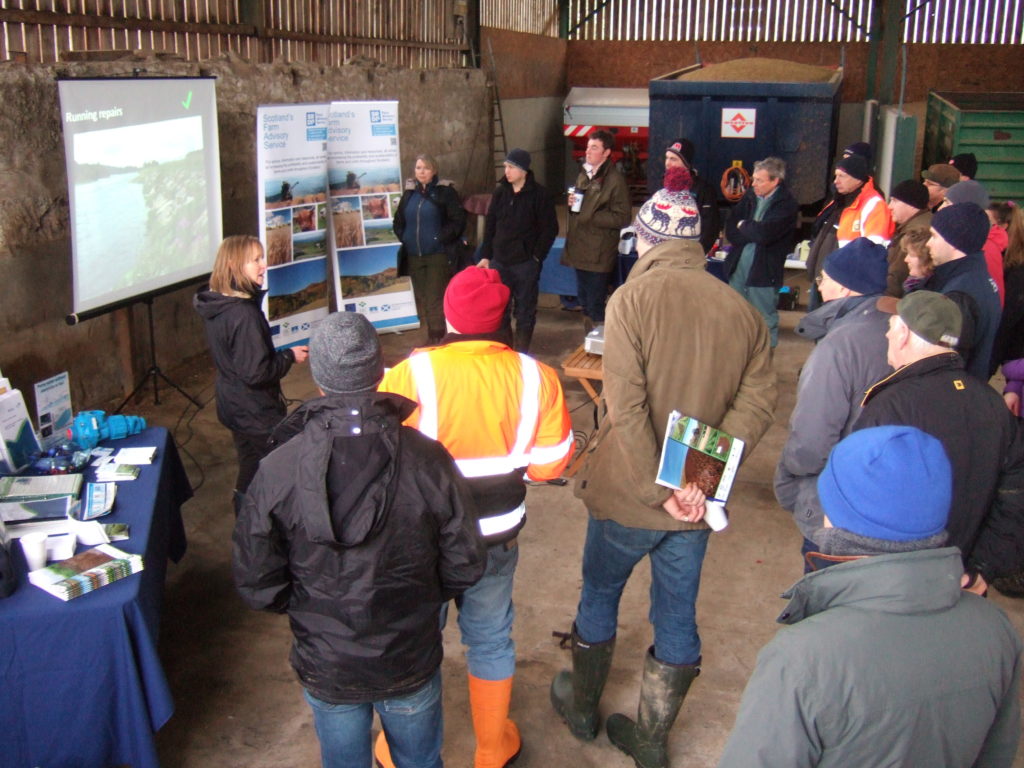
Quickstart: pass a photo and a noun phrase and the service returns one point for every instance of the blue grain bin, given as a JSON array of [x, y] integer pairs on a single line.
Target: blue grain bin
[[732, 121]]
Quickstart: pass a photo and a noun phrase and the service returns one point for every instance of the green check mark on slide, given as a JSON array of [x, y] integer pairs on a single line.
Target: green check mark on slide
[[188, 101]]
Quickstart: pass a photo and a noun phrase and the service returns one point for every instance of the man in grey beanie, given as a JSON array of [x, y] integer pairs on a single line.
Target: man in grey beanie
[[359, 529]]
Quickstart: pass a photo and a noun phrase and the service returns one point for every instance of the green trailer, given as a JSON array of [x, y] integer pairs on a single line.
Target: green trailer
[[991, 125]]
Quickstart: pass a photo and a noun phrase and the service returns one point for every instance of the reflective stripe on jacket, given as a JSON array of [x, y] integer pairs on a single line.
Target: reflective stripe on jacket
[[497, 412], [867, 216]]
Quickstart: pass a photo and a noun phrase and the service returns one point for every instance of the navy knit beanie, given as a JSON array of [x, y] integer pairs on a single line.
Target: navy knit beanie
[[892, 483], [855, 166], [964, 226], [520, 158], [861, 265], [344, 354], [913, 193]]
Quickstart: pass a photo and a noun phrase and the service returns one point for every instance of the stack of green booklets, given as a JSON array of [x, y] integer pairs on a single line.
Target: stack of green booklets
[[86, 572]]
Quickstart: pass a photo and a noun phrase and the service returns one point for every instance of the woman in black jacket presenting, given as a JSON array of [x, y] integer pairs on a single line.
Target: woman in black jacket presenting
[[249, 369], [429, 222]]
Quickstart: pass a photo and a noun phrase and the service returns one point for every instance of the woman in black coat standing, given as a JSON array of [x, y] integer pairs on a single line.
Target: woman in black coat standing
[[429, 222], [249, 369]]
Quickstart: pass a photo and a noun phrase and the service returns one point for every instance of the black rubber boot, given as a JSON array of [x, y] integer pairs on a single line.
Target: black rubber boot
[[575, 695], [661, 695]]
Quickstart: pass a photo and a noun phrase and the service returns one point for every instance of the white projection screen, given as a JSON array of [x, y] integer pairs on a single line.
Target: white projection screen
[[144, 184]]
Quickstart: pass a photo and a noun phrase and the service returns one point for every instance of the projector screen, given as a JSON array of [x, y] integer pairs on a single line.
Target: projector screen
[[144, 185]]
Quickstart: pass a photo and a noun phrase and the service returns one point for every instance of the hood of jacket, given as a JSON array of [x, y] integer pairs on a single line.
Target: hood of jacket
[[905, 583], [815, 325], [211, 304], [348, 447]]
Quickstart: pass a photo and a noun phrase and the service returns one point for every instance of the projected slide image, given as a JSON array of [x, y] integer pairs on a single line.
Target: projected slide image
[[297, 287], [348, 222], [279, 237], [380, 232], [369, 271], [295, 190], [371, 179], [306, 245], [140, 203]]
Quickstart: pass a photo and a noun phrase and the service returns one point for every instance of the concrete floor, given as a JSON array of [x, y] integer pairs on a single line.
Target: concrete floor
[[237, 700]]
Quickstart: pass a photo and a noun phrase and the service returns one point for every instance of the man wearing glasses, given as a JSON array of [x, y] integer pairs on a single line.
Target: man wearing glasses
[[849, 357]]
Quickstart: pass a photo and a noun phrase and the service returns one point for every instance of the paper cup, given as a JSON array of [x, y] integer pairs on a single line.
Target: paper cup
[[34, 547]]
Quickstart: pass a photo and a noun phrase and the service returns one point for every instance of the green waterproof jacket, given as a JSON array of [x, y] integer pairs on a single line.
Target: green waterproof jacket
[[886, 662], [592, 237]]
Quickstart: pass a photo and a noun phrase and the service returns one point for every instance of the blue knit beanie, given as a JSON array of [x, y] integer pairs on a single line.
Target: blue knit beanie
[[892, 483], [861, 265]]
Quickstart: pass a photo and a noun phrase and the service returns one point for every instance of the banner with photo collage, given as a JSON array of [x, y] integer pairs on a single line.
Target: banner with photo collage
[[365, 179], [291, 175]]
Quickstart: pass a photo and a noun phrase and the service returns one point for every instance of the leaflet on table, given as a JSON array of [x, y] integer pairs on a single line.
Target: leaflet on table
[[53, 409], [18, 439], [136, 455], [694, 452], [39, 509], [89, 533], [86, 571], [35, 487]]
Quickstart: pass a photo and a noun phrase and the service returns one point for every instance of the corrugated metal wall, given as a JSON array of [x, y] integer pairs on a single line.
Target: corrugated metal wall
[[821, 21], [430, 33]]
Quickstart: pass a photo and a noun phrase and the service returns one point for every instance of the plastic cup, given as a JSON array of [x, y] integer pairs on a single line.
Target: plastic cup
[[33, 545]]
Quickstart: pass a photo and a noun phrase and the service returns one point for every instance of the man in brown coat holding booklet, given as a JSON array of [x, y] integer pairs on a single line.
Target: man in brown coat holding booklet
[[676, 338]]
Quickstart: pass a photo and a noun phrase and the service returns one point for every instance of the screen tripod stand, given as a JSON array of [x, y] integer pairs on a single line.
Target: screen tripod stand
[[153, 372]]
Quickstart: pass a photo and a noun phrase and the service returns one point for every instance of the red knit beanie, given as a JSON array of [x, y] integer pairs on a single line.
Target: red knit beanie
[[475, 300]]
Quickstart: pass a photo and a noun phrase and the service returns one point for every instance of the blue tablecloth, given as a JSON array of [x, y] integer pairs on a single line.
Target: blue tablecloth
[[561, 280], [81, 684]]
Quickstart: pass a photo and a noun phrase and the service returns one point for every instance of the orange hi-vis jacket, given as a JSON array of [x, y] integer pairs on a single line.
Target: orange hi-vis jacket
[[497, 412], [867, 216]]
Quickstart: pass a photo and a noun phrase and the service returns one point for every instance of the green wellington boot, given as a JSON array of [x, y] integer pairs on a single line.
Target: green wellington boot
[[575, 695], [661, 695]]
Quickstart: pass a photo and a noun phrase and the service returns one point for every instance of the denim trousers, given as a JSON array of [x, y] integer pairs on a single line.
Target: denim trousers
[[609, 555], [413, 724], [592, 292], [485, 617]]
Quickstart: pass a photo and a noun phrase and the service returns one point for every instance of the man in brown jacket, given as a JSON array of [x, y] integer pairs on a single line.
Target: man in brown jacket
[[592, 239], [908, 203], [676, 338]]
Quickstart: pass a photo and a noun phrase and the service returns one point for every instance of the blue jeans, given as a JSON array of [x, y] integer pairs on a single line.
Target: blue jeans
[[611, 552], [592, 292], [485, 617], [413, 724]]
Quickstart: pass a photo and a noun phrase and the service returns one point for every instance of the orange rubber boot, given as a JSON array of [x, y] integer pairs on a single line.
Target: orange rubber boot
[[381, 752], [497, 738]]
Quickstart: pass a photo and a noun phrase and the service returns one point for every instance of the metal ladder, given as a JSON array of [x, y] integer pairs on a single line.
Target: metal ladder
[[499, 146]]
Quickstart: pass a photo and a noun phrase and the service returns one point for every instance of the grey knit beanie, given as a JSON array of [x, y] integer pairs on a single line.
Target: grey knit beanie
[[344, 354]]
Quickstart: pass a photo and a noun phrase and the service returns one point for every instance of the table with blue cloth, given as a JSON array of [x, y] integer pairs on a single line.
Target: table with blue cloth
[[81, 682]]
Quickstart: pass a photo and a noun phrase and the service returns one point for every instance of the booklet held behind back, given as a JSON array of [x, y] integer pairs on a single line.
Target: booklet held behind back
[[694, 452]]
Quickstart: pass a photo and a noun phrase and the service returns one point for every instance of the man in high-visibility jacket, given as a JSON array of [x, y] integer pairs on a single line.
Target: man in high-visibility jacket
[[497, 412]]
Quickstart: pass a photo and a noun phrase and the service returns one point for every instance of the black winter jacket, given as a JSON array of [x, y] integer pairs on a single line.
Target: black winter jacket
[[359, 529], [453, 216], [710, 219], [519, 227], [967, 282], [985, 448], [249, 369], [772, 236]]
